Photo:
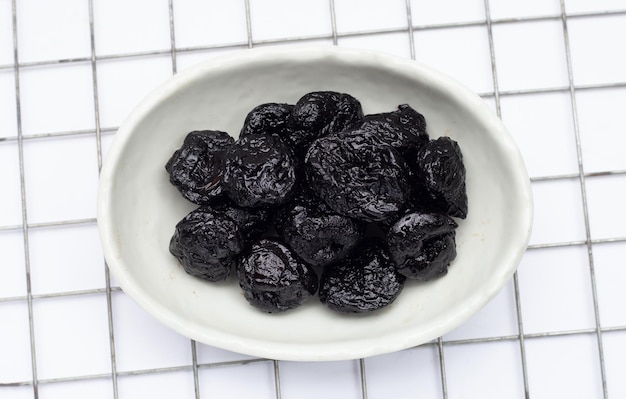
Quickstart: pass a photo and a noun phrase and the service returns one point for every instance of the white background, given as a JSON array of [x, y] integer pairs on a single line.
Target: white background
[[54, 165]]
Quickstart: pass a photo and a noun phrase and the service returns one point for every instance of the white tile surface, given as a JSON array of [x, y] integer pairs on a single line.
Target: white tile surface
[[495, 358], [280, 19], [599, 116], [158, 386], [542, 41], [10, 195], [131, 26], [13, 270], [71, 336], [42, 25], [72, 333], [66, 259], [8, 118], [143, 343], [61, 178], [462, 53], [364, 15], [564, 367], [446, 11], [57, 98], [555, 290]]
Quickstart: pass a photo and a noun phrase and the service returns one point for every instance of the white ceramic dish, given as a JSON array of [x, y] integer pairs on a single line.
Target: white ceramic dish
[[138, 208]]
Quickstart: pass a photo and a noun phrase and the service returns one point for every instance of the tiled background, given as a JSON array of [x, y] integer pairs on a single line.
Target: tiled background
[[554, 71]]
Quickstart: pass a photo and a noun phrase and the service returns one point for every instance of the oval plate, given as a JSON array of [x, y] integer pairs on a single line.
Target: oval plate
[[138, 208]]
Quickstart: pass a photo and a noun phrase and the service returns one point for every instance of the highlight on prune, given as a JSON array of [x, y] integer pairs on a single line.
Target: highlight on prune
[[196, 169], [273, 279], [260, 170], [319, 113], [422, 245], [403, 129], [367, 200], [317, 234], [366, 282], [206, 243], [269, 118], [440, 178], [356, 178]]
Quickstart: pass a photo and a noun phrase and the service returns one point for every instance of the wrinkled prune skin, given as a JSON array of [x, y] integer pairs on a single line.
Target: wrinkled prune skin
[[252, 222], [422, 245], [273, 279], [316, 234], [260, 171], [440, 178], [319, 113], [196, 169], [357, 178], [366, 282], [206, 243], [269, 118], [403, 129]]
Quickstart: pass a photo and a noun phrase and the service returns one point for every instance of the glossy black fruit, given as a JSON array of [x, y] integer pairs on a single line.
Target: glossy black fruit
[[269, 118], [196, 169], [366, 282], [422, 245], [260, 171], [357, 178], [273, 279], [206, 243]]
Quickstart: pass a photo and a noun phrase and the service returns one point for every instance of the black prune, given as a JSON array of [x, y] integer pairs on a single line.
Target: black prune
[[206, 243], [440, 178], [269, 118], [273, 279], [252, 222], [316, 234], [363, 283], [196, 169], [320, 113], [357, 178], [260, 171], [403, 129], [422, 245]]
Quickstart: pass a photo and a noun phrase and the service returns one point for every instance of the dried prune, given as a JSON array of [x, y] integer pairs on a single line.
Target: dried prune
[[357, 178], [273, 279], [440, 178], [196, 168], [206, 243], [316, 234], [403, 129], [320, 113], [422, 245], [269, 118], [252, 222], [260, 170], [363, 283]]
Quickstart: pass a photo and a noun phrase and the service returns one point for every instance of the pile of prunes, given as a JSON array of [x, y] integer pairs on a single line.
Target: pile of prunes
[[317, 197]]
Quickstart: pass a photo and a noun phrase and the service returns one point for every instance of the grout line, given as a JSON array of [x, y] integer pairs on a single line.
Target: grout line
[[363, 378], [470, 341], [583, 191], [172, 35], [107, 275], [194, 368], [518, 302], [409, 19], [248, 23], [333, 21], [316, 37], [442, 368], [277, 378], [20, 145]]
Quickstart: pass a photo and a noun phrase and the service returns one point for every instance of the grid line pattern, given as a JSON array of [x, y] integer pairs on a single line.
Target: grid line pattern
[[198, 364]]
